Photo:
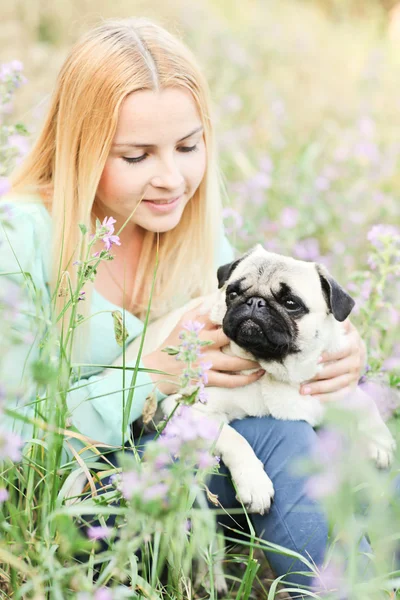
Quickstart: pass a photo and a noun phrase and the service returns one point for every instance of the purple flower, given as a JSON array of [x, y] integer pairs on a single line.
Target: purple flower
[[81, 294], [205, 460], [158, 491], [130, 482], [19, 142], [4, 186], [202, 395], [188, 425], [289, 217], [328, 446], [99, 533], [322, 484], [3, 495], [331, 579], [109, 238], [385, 398], [307, 249], [103, 594], [10, 446], [235, 220], [380, 231], [193, 326], [202, 371]]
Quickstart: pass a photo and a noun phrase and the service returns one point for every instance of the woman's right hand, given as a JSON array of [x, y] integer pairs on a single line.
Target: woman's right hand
[[223, 372]]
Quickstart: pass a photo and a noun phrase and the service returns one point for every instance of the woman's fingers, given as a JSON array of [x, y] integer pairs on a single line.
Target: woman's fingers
[[349, 365], [224, 362], [215, 335], [335, 396], [327, 386], [218, 379]]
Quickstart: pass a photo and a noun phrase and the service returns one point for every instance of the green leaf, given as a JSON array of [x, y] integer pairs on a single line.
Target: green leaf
[[171, 350], [83, 228]]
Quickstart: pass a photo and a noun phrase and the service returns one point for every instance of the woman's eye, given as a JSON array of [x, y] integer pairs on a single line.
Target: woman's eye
[[132, 161], [188, 148], [184, 149]]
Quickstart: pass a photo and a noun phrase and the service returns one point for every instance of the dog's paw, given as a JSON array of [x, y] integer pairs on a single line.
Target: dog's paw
[[254, 487], [381, 450]]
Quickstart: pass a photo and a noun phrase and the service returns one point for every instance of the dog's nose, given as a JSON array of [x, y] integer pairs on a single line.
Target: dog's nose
[[256, 302]]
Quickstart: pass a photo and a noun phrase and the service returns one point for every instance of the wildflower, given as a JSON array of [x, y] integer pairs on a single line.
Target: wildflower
[[103, 594], [235, 219], [81, 294], [378, 232], [323, 484], [385, 398], [193, 326], [10, 446], [4, 186], [129, 483], [99, 533], [3, 495], [108, 238], [327, 451], [188, 425], [289, 217], [157, 491], [307, 249], [331, 579]]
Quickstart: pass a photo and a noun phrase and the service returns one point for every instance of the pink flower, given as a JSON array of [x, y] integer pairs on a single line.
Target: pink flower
[[103, 594], [289, 217], [331, 579], [4, 186], [99, 533], [109, 238], [10, 446], [236, 221], [323, 484], [193, 326], [3, 495], [158, 491]]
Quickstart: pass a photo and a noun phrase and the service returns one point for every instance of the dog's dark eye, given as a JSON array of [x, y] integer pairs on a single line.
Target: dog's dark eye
[[291, 305], [232, 296]]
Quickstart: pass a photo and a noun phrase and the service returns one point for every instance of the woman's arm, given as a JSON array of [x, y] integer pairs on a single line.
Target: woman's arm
[[95, 404]]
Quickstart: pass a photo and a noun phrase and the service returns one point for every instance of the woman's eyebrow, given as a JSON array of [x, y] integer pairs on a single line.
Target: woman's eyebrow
[[197, 130]]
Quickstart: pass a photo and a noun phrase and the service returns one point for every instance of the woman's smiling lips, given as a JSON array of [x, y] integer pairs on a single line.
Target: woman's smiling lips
[[163, 205]]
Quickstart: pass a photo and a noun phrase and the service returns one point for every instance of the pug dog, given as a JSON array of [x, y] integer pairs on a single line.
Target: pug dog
[[282, 313]]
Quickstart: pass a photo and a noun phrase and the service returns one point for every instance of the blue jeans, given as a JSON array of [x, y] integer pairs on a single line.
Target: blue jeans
[[295, 521]]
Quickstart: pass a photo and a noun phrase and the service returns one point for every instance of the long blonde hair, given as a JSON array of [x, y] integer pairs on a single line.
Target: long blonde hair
[[116, 58]]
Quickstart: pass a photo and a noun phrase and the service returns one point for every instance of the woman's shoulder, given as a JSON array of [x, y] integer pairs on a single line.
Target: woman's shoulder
[[28, 207], [25, 232]]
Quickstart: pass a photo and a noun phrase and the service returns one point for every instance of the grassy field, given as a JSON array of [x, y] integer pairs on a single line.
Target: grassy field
[[307, 111]]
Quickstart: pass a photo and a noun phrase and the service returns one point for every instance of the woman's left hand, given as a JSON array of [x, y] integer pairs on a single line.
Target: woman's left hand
[[341, 370]]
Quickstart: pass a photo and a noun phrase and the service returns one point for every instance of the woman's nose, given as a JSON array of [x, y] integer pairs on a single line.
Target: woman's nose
[[168, 176]]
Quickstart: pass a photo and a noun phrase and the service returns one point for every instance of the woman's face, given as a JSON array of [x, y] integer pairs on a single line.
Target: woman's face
[[158, 154]]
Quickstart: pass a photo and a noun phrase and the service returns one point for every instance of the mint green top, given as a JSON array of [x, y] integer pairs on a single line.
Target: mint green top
[[95, 401]]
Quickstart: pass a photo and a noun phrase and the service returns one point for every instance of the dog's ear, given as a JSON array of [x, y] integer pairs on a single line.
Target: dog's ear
[[226, 271], [339, 302]]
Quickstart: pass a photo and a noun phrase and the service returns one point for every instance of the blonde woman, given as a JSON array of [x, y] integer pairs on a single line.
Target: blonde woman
[[130, 127]]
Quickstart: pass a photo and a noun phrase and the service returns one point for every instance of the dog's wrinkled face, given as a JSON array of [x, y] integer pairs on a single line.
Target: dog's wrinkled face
[[273, 306]]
